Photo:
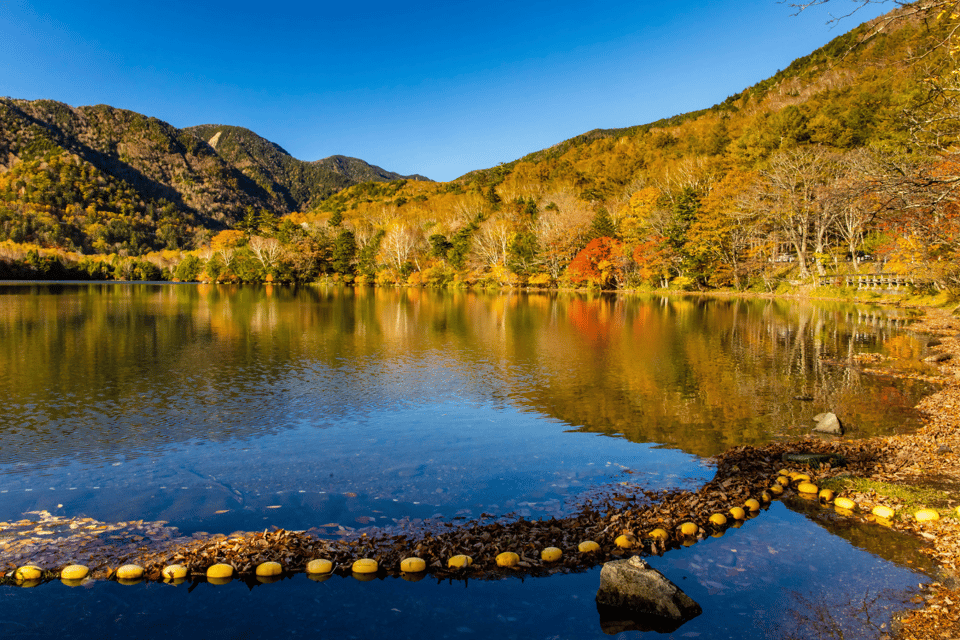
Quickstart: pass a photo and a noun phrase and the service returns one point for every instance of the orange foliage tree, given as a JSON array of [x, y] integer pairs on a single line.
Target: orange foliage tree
[[600, 263]]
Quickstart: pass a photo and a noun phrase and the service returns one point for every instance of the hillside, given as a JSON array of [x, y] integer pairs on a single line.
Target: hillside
[[105, 180], [845, 157], [791, 178]]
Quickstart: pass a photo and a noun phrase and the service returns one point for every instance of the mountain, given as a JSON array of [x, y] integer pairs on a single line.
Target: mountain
[[848, 151], [103, 180], [845, 152], [294, 185]]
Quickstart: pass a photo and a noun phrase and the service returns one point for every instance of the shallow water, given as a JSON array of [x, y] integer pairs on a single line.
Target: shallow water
[[237, 408], [779, 574]]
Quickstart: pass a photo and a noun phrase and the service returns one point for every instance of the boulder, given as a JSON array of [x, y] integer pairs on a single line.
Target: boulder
[[635, 596], [938, 358], [828, 423]]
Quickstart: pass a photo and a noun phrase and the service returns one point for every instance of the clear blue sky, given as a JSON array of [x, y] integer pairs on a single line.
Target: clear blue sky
[[437, 88]]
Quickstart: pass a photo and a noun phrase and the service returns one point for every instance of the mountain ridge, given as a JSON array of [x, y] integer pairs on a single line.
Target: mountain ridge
[[119, 168]]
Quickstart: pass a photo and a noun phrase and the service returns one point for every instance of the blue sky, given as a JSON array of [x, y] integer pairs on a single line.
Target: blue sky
[[437, 88]]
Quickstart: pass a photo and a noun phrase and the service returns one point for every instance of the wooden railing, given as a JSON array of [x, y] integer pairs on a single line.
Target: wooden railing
[[871, 280]]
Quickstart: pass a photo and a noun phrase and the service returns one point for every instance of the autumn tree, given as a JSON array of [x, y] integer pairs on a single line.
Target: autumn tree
[[794, 197], [600, 263], [560, 230], [400, 242], [267, 250], [726, 236], [225, 245], [492, 242]]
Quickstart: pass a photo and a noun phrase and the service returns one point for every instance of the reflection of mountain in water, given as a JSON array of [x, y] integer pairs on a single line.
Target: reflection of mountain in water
[[103, 369]]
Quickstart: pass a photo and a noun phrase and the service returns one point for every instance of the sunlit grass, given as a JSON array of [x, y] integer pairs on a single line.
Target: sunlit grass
[[910, 496]]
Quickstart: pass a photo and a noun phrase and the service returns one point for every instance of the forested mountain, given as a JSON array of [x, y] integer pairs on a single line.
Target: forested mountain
[[105, 180], [844, 162], [295, 185]]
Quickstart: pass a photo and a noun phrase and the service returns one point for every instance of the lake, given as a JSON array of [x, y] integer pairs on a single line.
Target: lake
[[222, 408]]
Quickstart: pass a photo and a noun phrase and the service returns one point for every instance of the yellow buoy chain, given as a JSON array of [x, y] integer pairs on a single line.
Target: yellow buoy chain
[[686, 534]]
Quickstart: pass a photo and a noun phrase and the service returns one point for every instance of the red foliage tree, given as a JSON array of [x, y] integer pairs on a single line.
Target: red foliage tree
[[599, 263]]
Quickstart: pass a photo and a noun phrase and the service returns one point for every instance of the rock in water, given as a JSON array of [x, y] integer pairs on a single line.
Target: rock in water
[[635, 596], [828, 423]]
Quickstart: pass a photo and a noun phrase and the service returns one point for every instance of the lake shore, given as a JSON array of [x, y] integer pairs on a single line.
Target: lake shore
[[926, 465], [906, 473]]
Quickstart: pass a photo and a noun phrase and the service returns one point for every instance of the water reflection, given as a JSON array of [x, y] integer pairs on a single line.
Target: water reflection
[[234, 399], [95, 369]]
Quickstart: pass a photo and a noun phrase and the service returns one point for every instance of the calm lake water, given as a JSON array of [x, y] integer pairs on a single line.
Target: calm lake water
[[223, 408]]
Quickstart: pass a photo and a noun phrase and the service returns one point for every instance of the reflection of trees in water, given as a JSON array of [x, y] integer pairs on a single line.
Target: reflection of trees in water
[[111, 368], [816, 617], [705, 375]]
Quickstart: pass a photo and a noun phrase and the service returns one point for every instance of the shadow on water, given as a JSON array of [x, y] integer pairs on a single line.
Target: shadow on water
[[894, 546]]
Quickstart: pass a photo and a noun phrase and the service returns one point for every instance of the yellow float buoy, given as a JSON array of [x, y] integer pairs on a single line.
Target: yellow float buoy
[[28, 572], [659, 534], [220, 571], [626, 541], [588, 546], [689, 529], [130, 572], [507, 559], [718, 519], [413, 565], [776, 490], [551, 554], [882, 512], [783, 481], [808, 488], [801, 477], [319, 566], [825, 495], [926, 515], [765, 497], [174, 572], [365, 565], [752, 505], [459, 562], [74, 572], [845, 503], [738, 513], [268, 569], [785, 472]]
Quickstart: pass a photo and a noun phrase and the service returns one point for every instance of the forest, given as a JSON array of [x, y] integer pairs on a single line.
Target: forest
[[845, 162]]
